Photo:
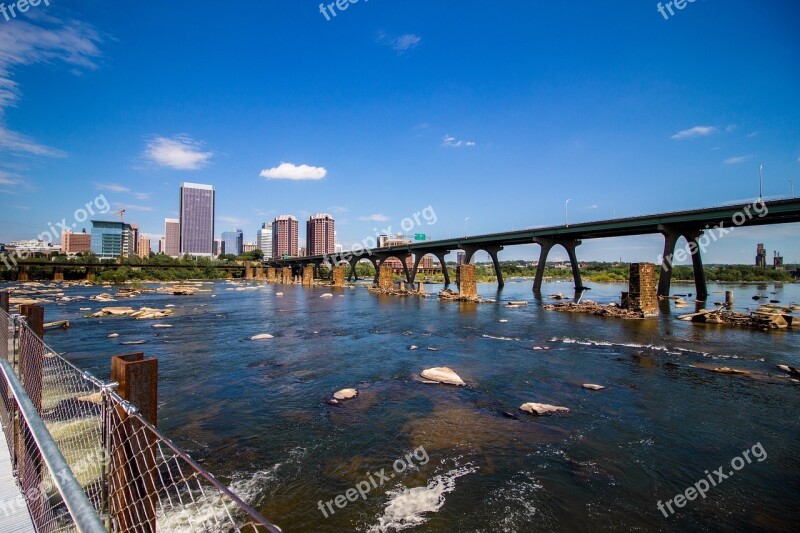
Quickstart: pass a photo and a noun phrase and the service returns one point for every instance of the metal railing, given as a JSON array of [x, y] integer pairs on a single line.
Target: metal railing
[[133, 477]]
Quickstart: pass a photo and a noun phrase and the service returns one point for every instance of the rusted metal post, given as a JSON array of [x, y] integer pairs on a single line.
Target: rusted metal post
[[34, 316], [138, 383], [4, 301], [132, 487]]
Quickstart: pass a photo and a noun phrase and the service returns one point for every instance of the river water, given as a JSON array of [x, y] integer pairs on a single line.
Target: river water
[[255, 412]]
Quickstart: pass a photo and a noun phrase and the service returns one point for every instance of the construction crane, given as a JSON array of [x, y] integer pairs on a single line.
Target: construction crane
[[121, 214]]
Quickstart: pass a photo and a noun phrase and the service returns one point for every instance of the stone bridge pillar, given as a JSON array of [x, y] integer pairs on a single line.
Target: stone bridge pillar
[[338, 276], [308, 275], [58, 274], [22, 274], [286, 275], [642, 289], [272, 275], [385, 278], [468, 285], [248, 270]]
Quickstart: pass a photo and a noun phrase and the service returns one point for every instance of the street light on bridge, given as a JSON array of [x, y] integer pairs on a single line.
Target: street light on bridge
[[791, 188], [760, 182], [465, 226], [566, 212]]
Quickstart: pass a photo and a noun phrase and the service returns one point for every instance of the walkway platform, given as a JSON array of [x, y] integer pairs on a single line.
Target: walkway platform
[[14, 516]]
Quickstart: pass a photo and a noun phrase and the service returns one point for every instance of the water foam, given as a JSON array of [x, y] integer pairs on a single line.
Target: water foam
[[407, 507]]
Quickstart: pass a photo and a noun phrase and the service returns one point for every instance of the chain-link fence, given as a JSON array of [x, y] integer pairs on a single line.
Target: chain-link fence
[[136, 479]]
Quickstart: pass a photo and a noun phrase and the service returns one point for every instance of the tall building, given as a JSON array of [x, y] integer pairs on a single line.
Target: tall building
[[249, 247], [232, 242], [75, 243], [284, 237], [111, 240], [217, 250], [197, 220], [761, 256], [320, 235], [162, 245], [264, 239], [143, 250], [172, 237], [135, 237]]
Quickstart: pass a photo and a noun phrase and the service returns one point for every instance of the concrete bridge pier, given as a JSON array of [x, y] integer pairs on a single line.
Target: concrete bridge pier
[[569, 245], [697, 264], [22, 274], [470, 251], [440, 256], [353, 275], [58, 274], [692, 236]]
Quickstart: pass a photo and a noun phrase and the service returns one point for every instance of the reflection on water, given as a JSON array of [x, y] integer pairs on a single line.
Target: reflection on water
[[255, 412]]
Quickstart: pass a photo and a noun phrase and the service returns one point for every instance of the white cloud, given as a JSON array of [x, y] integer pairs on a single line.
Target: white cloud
[[233, 221], [142, 195], [737, 160], [697, 131], [113, 187], [180, 152], [290, 171], [338, 209], [7, 179], [753, 134], [22, 144], [451, 142], [132, 207], [23, 43], [730, 128], [400, 44], [374, 218]]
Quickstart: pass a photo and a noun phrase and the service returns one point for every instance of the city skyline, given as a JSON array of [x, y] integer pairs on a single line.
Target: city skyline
[[415, 113]]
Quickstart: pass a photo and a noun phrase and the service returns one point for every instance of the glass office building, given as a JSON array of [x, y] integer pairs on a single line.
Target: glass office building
[[111, 240]]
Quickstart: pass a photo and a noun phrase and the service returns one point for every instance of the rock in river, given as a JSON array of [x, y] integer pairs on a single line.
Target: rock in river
[[443, 375], [346, 394], [592, 386], [261, 337], [542, 408]]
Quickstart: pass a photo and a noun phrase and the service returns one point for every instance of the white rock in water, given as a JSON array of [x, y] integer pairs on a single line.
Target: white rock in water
[[278, 294], [592, 386], [413, 347], [261, 337], [327, 295], [162, 325], [170, 305], [113, 336], [542, 408], [502, 320], [346, 394], [443, 375]]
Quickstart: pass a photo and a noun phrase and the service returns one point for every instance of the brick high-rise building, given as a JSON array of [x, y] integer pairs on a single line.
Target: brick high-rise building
[[320, 235], [197, 219], [172, 237], [284, 237], [144, 247], [75, 243]]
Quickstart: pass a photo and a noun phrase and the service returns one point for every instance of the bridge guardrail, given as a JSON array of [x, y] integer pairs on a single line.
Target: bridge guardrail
[[133, 477]]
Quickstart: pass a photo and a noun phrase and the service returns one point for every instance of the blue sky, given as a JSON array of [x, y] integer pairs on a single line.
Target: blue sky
[[499, 112]]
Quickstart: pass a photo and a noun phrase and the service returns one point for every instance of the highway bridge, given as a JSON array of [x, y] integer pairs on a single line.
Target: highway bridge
[[700, 228]]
